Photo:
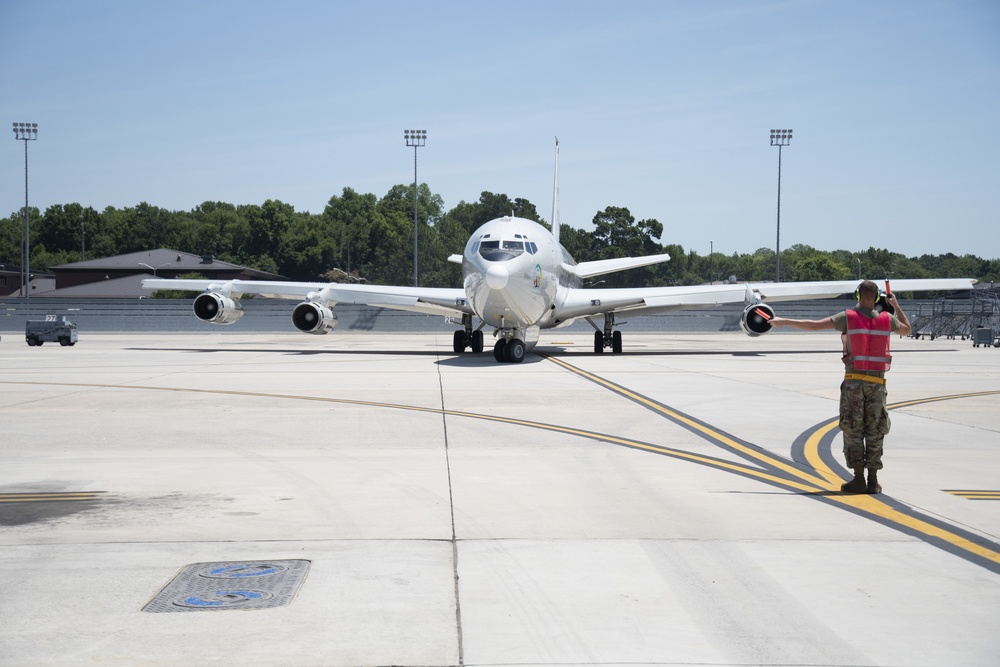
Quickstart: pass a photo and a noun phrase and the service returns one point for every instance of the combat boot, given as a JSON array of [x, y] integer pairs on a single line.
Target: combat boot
[[873, 485], [856, 485]]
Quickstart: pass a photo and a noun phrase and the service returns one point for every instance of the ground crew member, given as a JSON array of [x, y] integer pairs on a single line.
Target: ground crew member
[[864, 420]]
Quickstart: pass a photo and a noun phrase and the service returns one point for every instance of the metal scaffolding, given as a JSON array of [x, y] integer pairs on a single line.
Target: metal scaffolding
[[976, 318]]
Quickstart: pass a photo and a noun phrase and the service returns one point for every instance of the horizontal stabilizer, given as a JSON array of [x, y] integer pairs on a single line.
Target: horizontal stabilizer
[[603, 266]]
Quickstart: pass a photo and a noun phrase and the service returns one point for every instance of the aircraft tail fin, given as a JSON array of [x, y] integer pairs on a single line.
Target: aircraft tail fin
[[555, 198]]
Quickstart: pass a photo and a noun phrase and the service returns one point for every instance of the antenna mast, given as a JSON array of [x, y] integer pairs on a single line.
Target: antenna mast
[[555, 198]]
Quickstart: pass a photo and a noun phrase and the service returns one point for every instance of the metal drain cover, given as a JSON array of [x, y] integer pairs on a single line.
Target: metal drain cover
[[251, 584]]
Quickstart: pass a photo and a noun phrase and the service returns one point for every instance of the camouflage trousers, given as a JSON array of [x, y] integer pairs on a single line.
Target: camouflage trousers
[[864, 422]]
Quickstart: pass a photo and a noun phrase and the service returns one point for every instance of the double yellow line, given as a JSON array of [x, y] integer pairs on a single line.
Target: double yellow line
[[821, 480], [974, 495], [53, 497]]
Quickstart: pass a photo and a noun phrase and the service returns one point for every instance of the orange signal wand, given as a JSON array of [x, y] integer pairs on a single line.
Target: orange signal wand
[[762, 313], [888, 291]]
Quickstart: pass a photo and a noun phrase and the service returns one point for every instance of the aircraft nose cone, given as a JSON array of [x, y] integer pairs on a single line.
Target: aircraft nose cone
[[496, 277]]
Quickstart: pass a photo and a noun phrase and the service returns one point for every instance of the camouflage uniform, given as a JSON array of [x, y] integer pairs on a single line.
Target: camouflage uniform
[[864, 419]]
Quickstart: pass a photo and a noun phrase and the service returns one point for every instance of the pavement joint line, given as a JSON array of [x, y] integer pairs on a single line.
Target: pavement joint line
[[454, 533]]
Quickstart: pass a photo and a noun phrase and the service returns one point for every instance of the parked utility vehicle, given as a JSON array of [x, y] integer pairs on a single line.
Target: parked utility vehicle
[[54, 328]]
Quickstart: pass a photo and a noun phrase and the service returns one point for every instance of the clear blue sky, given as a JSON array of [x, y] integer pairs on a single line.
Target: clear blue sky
[[661, 107]]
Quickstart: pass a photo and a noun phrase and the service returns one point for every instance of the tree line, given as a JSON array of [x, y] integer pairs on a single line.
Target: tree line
[[371, 238]]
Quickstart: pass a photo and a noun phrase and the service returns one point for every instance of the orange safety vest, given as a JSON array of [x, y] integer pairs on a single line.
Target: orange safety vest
[[869, 341]]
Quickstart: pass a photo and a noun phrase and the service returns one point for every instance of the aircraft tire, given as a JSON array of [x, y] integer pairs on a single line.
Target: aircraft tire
[[598, 342], [498, 350], [477, 342], [616, 342], [458, 342], [514, 351]]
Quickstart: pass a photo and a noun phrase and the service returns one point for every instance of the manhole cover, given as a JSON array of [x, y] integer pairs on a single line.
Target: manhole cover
[[256, 584], [242, 570], [218, 599]]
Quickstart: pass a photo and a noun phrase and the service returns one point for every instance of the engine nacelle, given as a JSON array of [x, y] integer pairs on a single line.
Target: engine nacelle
[[756, 319], [217, 309], [313, 318]]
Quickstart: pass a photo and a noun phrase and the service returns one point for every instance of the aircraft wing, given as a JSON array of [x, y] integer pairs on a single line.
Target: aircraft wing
[[430, 300], [655, 300]]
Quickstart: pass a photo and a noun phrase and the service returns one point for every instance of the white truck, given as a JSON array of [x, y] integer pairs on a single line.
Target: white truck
[[52, 329]]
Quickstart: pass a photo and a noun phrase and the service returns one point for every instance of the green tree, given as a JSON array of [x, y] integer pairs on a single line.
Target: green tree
[[63, 228], [216, 228], [580, 244], [12, 235], [617, 234], [397, 211], [149, 227], [349, 220], [817, 266]]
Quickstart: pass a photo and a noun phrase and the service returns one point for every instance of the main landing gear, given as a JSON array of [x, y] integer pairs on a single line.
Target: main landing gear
[[608, 337], [509, 351], [467, 338]]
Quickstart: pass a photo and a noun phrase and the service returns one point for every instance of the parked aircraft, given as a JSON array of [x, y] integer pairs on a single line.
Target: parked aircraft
[[517, 280]]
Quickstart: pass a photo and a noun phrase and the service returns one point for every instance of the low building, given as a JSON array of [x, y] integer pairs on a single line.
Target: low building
[[12, 282], [121, 276], [11, 279]]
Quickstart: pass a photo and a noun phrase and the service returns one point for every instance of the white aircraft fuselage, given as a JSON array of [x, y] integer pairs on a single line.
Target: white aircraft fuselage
[[513, 276]]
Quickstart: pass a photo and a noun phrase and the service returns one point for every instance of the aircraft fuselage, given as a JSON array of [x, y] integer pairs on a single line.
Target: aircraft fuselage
[[511, 275]]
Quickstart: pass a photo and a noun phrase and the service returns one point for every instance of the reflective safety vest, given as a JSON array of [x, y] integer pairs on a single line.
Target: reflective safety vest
[[869, 341]]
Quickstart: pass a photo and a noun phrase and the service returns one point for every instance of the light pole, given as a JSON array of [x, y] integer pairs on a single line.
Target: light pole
[[711, 262], [161, 266], [415, 138], [779, 138], [26, 132]]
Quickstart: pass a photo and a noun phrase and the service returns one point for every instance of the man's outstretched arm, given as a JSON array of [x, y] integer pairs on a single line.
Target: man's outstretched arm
[[805, 325]]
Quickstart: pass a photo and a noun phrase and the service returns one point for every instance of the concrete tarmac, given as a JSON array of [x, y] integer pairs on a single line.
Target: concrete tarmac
[[677, 504]]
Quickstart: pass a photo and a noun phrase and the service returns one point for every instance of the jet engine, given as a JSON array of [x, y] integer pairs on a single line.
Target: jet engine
[[755, 320], [217, 309], [313, 318]]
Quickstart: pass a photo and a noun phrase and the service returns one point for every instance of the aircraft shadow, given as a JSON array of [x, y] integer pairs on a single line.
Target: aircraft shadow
[[485, 359]]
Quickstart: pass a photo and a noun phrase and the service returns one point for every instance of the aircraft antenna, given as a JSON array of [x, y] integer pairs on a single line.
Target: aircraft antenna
[[555, 198]]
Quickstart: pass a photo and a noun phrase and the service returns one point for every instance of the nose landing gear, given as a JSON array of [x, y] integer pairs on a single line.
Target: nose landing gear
[[509, 351]]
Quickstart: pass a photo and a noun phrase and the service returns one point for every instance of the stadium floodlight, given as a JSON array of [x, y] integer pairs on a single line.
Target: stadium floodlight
[[779, 138], [26, 132], [415, 138]]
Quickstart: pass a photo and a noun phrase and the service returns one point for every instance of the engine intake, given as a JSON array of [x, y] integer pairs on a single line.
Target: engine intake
[[313, 318], [217, 309], [755, 320]]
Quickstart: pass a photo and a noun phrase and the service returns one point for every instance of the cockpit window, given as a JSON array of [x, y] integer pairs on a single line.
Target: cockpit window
[[500, 251]]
